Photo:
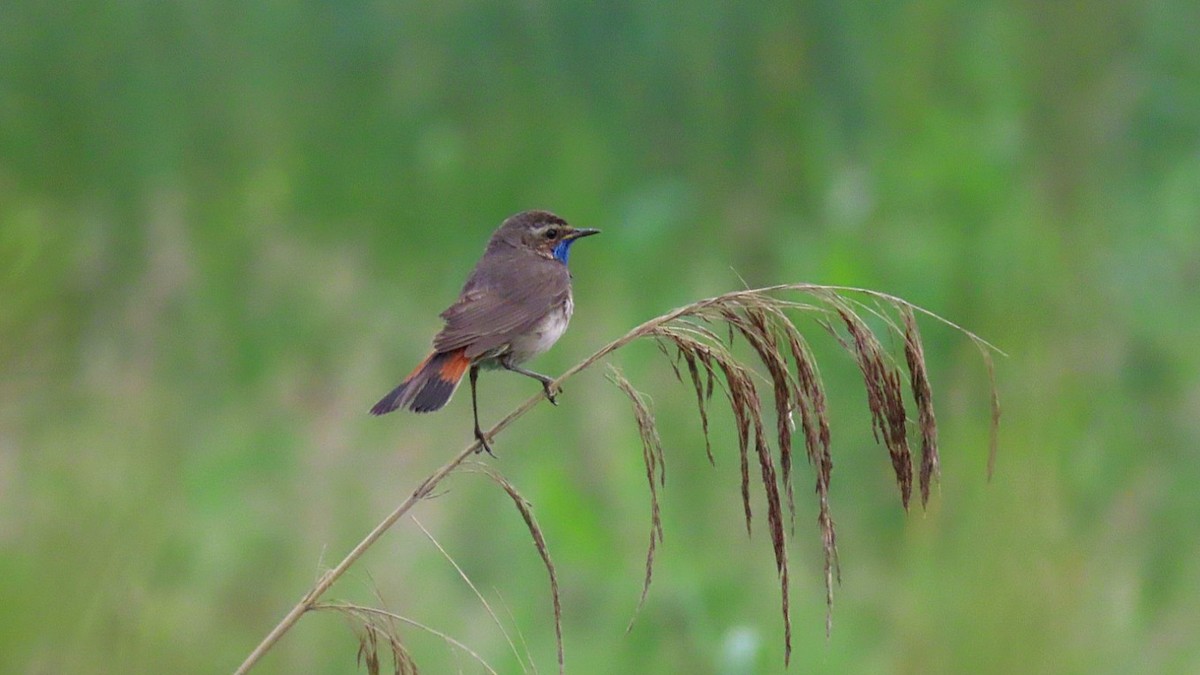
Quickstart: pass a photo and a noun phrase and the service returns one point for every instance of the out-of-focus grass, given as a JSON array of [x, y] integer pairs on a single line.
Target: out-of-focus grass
[[225, 230]]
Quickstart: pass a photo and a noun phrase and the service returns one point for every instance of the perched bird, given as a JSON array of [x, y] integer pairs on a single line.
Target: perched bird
[[515, 305]]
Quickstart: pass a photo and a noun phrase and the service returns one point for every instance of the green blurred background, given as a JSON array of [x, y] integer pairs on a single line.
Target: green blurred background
[[227, 228]]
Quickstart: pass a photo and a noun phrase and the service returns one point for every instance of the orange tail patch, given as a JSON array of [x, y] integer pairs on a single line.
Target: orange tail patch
[[454, 364], [435, 384], [429, 386]]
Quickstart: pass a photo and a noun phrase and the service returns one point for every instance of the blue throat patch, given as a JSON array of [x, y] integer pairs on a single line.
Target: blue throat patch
[[563, 250]]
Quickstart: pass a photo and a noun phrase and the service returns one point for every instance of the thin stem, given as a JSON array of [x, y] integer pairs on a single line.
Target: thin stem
[[486, 605]]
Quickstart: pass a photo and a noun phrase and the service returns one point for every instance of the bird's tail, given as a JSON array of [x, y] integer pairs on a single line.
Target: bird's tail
[[429, 386]]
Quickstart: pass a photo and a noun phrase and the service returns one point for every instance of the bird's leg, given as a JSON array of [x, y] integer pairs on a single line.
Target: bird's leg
[[546, 381], [483, 441]]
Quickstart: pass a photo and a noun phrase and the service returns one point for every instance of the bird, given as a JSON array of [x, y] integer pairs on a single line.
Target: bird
[[515, 304]]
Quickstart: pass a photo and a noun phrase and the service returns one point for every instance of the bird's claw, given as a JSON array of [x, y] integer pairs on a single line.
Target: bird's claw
[[484, 445], [552, 392]]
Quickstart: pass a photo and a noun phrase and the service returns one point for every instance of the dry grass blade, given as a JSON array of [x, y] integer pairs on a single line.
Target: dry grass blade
[[884, 397], [747, 407], [815, 423], [914, 354], [368, 649], [402, 661], [375, 623], [539, 541], [775, 526], [994, 432], [470, 584], [652, 456], [703, 394], [743, 402], [759, 330], [517, 627], [738, 386]]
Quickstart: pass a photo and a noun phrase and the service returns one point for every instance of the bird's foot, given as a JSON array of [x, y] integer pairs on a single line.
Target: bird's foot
[[552, 391], [484, 445]]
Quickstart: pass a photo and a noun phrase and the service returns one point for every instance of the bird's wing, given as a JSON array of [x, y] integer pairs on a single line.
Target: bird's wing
[[505, 296]]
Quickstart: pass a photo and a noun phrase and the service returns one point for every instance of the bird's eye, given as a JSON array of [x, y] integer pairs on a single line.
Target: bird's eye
[[552, 233]]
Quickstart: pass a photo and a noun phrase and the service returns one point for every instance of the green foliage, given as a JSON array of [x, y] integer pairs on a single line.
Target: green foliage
[[227, 228]]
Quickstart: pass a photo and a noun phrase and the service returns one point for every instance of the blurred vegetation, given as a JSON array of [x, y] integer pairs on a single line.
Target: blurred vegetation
[[226, 229]]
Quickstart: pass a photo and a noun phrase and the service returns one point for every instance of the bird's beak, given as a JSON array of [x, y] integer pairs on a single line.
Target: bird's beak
[[582, 232]]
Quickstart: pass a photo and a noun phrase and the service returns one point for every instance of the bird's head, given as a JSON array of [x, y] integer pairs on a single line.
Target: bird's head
[[543, 233]]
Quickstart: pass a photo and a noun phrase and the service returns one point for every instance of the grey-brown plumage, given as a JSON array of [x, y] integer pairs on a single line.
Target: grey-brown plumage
[[514, 286], [515, 304]]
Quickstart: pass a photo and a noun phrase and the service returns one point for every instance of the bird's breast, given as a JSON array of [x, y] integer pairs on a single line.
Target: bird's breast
[[544, 334]]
